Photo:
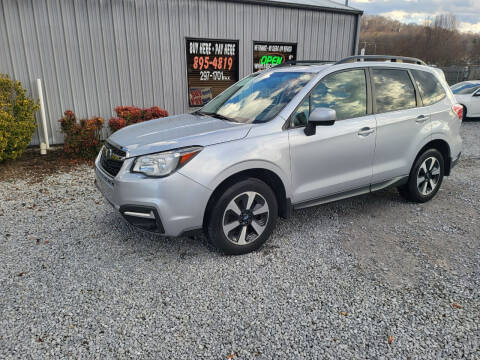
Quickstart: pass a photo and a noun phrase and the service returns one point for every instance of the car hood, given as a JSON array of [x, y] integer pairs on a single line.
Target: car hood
[[176, 131]]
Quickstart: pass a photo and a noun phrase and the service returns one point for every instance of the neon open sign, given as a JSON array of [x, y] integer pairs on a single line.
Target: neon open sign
[[268, 54], [272, 59]]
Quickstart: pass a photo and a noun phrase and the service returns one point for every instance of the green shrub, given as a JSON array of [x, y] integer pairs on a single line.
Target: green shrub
[[17, 121], [83, 138]]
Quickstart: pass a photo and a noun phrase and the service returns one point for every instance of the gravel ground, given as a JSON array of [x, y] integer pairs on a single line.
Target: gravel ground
[[368, 277]]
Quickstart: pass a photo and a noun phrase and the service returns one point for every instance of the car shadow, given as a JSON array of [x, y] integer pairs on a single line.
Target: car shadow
[[309, 222]]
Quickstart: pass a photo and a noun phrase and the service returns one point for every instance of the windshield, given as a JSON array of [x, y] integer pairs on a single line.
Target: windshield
[[257, 98], [465, 88]]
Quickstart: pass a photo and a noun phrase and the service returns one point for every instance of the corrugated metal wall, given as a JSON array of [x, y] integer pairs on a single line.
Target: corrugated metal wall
[[94, 55]]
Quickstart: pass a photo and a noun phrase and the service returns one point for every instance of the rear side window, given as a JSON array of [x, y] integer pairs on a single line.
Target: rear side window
[[393, 90], [430, 88]]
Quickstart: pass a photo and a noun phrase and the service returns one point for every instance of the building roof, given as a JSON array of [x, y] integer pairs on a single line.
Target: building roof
[[308, 4]]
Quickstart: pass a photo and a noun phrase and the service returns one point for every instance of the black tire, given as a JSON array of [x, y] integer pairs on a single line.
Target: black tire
[[219, 217], [412, 191], [464, 117]]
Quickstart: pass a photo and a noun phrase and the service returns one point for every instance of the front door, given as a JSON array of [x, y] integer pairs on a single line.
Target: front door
[[338, 158]]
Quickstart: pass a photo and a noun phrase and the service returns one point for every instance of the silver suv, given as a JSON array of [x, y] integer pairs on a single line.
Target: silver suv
[[294, 136]]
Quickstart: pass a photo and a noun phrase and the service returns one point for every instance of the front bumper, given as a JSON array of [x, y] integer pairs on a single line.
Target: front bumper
[[170, 206]]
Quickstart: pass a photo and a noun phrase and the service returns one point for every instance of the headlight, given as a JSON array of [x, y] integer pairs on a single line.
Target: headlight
[[165, 163]]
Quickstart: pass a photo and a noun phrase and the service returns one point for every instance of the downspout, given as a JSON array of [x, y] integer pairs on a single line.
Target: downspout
[[42, 113], [357, 35]]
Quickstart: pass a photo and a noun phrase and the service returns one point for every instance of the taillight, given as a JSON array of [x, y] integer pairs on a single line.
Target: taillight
[[458, 110]]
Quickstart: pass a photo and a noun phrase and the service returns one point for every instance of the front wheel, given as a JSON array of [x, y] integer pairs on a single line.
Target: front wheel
[[243, 217], [425, 177]]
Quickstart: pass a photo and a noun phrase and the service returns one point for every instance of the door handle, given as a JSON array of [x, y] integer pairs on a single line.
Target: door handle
[[365, 131], [421, 119]]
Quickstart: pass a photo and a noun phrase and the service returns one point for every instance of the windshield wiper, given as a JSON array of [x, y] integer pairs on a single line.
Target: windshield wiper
[[215, 115]]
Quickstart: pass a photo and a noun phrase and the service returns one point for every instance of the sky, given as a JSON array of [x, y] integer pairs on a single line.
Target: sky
[[417, 11]]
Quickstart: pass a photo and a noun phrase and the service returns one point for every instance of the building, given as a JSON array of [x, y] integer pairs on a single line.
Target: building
[[94, 55]]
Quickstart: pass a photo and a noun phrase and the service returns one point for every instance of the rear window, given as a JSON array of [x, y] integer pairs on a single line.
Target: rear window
[[393, 90], [430, 88]]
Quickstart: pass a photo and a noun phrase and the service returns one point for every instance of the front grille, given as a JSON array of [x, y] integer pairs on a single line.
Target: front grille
[[112, 159], [111, 166], [116, 151]]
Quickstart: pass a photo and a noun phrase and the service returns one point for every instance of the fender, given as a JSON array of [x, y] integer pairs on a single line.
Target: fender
[[444, 146], [214, 164], [439, 136], [251, 165], [432, 137]]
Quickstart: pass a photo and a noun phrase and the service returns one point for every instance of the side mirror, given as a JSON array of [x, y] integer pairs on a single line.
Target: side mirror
[[320, 117]]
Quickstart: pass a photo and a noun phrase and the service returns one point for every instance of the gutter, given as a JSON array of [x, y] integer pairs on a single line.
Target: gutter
[[351, 11]]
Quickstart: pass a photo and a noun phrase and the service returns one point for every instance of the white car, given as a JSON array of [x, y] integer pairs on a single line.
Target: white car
[[467, 94]]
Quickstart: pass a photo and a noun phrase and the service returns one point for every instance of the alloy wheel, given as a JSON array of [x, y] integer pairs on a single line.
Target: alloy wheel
[[428, 176], [245, 218]]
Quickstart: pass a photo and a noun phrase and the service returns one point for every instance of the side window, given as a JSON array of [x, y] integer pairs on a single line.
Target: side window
[[393, 90], [300, 117], [430, 88], [345, 92]]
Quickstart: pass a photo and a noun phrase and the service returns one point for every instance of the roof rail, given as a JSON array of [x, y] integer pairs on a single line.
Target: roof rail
[[391, 58], [304, 62]]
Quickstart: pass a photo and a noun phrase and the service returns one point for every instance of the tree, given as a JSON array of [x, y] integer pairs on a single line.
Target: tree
[[437, 41]]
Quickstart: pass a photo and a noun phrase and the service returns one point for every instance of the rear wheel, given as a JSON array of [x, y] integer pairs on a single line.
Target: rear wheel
[[243, 217], [425, 177], [464, 117]]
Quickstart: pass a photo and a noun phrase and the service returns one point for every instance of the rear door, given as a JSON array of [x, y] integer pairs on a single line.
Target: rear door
[[434, 100], [401, 125], [339, 157]]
